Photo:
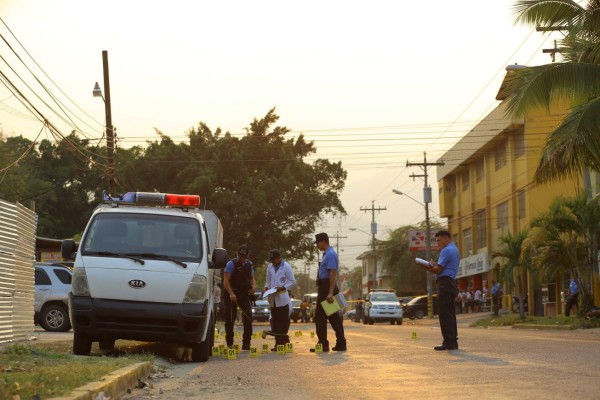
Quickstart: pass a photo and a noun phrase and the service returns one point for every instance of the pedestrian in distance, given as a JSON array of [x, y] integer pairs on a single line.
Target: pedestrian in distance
[[446, 269], [573, 296], [239, 283], [280, 276], [496, 296], [326, 289], [304, 310]]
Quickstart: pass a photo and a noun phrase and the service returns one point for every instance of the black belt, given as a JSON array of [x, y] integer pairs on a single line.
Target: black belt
[[445, 276]]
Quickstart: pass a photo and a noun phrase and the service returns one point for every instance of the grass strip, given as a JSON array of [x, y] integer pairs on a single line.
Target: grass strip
[[50, 369], [511, 319]]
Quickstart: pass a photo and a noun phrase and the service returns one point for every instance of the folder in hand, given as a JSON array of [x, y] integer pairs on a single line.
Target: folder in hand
[[339, 302]]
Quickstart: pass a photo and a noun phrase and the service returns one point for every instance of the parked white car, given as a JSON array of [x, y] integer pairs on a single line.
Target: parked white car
[[51, 299], [382, 306]]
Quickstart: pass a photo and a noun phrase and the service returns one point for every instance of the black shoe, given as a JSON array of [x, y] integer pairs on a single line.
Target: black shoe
[[245, 347], [325, 350], [339, 348], [446, 347]]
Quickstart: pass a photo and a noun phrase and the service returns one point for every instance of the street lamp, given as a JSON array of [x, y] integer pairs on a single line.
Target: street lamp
[[110, 138], [405, 194], [429, 277]]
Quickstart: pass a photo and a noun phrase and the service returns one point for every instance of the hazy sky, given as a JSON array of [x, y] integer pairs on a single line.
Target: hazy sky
[[373, 83]]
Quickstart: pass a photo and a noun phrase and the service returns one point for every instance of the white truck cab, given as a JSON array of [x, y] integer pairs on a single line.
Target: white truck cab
[[145, 270]]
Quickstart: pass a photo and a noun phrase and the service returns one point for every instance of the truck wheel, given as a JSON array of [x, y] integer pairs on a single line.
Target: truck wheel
[[107, 344], [399, 321], [201, 351], [55, 318], [82, 344], [371, 321], [392, 322]]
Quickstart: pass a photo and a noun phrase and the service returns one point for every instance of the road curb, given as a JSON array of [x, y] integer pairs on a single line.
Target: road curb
[[544, 327], [113, 385]]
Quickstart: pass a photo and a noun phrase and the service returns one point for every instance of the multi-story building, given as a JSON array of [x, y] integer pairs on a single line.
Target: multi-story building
[[486, 189]]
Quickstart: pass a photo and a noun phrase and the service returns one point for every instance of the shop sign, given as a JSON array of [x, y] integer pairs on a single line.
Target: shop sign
[[473, 265]]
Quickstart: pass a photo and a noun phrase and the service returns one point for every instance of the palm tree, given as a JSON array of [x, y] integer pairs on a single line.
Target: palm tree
[[565, 238], [574, 145], [516, 262]]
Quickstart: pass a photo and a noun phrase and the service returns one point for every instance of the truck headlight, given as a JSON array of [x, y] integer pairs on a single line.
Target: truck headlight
[[196, 292], [79, 283]]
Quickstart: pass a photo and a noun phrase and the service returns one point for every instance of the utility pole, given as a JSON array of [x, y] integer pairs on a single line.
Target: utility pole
[[426, 200], [110, 138], [373, 228], [337, 243]]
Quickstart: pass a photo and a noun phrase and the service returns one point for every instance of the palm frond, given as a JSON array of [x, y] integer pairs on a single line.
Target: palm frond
[[549, 12], [573, 146], [537, 88]]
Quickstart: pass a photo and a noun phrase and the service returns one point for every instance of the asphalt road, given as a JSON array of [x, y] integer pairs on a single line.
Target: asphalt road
[[386, 362]]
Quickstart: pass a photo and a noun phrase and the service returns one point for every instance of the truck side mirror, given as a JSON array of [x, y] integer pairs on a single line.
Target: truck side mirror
[[219, 259], [67, 249]]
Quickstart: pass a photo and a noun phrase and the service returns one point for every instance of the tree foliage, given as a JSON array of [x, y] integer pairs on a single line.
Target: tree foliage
[[574, 145], [260, 184]]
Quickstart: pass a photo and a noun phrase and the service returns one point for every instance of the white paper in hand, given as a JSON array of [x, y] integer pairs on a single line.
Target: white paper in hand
[[423, 262], [269, 292]]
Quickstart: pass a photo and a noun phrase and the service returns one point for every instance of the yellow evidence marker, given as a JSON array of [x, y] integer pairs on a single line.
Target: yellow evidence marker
[[265, 348], [312, 334], [253, 351], [289, 348], [414, 335], [237, 348], [280, 349], [319, 348], [215, 351], [231, 354]]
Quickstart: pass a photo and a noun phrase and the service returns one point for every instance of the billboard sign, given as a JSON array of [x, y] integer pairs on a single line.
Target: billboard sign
[[417, 242]]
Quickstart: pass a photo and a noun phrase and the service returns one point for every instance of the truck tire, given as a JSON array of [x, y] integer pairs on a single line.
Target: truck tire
[[201, 351], [55, 318], [82, 344], [392, 322], [399, 321]]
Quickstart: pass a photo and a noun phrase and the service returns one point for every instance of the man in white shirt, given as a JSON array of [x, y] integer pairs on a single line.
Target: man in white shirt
[[280, 276], [478, 300]]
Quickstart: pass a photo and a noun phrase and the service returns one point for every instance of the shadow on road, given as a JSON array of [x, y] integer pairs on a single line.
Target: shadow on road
[[463, 356]]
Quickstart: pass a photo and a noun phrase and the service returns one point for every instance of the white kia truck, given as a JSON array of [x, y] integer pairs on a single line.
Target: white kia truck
[[145, 271]]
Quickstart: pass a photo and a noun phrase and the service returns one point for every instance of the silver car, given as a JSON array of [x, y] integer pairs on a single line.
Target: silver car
[[52, 287]]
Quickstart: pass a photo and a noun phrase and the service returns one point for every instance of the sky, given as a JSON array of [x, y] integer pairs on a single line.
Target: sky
[[374, 84]]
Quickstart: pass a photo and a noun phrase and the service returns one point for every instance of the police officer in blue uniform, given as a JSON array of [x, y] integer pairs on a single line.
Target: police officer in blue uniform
[[446, 269], [240, 285], [326, 289]]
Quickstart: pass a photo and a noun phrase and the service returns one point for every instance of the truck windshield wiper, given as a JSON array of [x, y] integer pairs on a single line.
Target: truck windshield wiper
[[112, 254], [159, 257]]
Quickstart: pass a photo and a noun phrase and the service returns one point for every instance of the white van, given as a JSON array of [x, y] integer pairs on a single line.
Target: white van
[[144, 271]]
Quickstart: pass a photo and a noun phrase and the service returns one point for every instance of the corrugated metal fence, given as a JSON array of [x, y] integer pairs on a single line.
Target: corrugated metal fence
[[17, 256]]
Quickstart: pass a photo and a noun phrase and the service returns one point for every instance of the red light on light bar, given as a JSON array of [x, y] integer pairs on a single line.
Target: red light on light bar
[[187, 200]]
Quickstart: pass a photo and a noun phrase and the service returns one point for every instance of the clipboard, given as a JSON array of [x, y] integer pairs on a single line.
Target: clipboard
[[339, 302]]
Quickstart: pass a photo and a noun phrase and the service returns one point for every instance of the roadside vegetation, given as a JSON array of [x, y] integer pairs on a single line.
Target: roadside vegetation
[[50, 369], [511, 319]]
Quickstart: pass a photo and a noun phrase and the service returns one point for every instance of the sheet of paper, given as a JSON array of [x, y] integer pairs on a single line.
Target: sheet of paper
[[423, 262], [269, 292]]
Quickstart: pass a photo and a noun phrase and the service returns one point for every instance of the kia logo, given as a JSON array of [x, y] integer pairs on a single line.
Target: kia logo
[[137, 284]]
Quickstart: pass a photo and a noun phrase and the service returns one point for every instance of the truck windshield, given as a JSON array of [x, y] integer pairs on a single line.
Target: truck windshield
[[134, 234]]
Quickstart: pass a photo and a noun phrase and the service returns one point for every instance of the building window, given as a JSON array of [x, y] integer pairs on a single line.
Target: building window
[[480, 170], [502, 215], [466, 180], [519, 139], [521, 201], [480, 229], [500, 156], [467, 246]]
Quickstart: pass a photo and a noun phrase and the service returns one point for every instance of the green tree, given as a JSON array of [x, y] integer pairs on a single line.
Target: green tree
[[407, 277], [574, 145], [565, 239], [516, 262]]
